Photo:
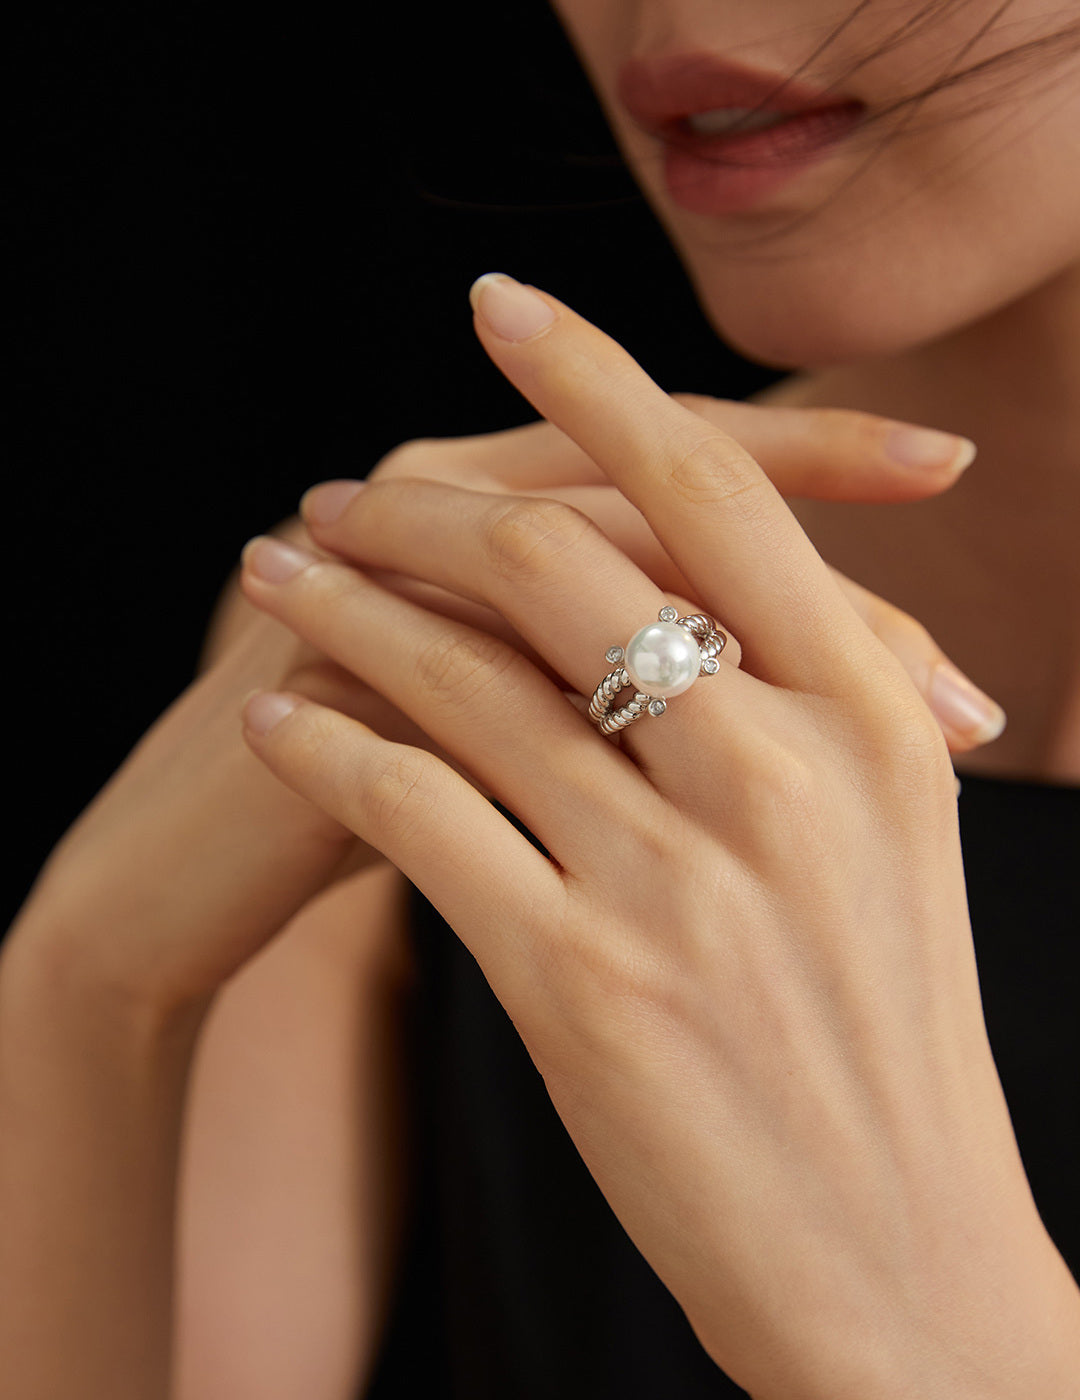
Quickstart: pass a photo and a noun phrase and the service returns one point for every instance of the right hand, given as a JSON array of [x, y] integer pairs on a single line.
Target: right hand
[[193, 856], [821, 454]]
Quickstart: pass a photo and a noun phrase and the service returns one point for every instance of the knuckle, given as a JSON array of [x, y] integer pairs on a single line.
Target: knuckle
[[714, 472], [849, 431], [869, 432], [835, 423], [904, 634], [527, 535], [911, 768], [456, 667], [913, 644], [399, 800], [915, 736], [895, 732]]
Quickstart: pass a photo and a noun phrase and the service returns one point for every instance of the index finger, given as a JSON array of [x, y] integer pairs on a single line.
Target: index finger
[[714, 509]]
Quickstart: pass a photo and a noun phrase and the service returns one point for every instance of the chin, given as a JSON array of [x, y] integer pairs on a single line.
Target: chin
[[786, 320], [877, 300], [790, 339]]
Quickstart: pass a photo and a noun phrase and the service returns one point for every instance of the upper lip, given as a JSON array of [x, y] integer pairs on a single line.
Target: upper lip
[[660, 93]]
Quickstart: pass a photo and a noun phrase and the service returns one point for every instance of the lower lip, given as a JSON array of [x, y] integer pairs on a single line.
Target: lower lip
[[719, 175]]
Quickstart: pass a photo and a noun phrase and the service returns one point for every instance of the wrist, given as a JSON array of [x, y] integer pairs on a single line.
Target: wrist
[[1008, 1334], [54, 977]]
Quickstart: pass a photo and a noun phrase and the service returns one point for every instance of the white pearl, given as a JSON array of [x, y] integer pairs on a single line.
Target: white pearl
[[663, 659]]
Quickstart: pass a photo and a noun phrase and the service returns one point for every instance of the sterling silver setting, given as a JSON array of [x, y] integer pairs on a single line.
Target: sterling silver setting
[[667, 656]]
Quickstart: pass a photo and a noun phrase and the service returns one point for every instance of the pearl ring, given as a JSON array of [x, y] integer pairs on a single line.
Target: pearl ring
[[663, 659]]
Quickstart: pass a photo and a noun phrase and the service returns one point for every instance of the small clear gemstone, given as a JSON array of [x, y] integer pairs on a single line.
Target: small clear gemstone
[[668, 614], [613, 655], [710, 665], [657, 708]]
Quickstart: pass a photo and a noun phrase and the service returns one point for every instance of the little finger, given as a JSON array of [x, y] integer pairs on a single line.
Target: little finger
[[478, 870], [967, 716]]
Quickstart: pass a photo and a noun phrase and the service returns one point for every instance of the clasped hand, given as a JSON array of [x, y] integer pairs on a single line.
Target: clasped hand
[[744, 968]]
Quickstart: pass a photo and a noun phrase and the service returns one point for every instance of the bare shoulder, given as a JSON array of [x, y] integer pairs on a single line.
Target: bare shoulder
[[295, 1151]]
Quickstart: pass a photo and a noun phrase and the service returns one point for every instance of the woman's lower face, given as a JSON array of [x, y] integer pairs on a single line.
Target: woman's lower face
[[844, 183]]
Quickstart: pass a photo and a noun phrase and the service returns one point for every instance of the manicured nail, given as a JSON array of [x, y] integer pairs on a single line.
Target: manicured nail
[[926, 448], [265, 708], [512, 311], [324, 504], [963, 707], [274, 561]]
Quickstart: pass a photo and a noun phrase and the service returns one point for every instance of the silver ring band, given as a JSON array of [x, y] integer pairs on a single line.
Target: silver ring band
[[602, 708]]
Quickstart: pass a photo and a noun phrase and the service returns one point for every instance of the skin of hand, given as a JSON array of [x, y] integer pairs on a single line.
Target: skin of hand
[[745, 967], [88, 897], [825, 454]]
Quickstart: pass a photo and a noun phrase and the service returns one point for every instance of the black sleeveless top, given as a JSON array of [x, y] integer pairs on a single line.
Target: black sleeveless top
[[520, 1284]]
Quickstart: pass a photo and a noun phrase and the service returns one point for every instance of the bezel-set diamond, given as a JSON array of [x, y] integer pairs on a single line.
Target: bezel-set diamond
[[660, 661]]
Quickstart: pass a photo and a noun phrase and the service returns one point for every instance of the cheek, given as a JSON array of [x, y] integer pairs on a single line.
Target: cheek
[[597, 29], [900, 258]]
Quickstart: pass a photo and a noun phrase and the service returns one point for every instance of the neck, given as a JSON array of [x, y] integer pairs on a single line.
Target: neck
[[1011, 382]]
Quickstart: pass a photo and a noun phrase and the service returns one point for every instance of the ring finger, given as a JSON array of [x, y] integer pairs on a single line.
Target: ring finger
[[474, 694], [563, 586]]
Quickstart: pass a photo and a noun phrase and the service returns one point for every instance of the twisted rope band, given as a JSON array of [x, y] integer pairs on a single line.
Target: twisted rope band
[[610, 721]]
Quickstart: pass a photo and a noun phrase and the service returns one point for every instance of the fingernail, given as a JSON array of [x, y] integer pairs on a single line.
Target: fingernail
[[274, 561], [924, 448], [512, 311], [324, 504], [265, 708], [963, 706]]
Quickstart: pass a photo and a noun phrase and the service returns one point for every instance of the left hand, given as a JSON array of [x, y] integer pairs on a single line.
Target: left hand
[[746, 971]]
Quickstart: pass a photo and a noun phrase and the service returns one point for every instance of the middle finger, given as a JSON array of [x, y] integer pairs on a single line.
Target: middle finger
[[565, 588], [716, 512]]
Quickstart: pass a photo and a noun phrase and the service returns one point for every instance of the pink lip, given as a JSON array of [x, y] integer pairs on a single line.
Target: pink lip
[[739, 170]]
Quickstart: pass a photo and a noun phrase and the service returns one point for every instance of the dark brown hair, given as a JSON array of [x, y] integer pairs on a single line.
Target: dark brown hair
[[571, 149], [1011, 65]]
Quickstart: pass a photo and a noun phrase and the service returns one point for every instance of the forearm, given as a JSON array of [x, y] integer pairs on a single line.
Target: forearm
[[91, 1106]]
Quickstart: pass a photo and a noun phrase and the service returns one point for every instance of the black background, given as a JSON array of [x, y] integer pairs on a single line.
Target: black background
[[243, 240]]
